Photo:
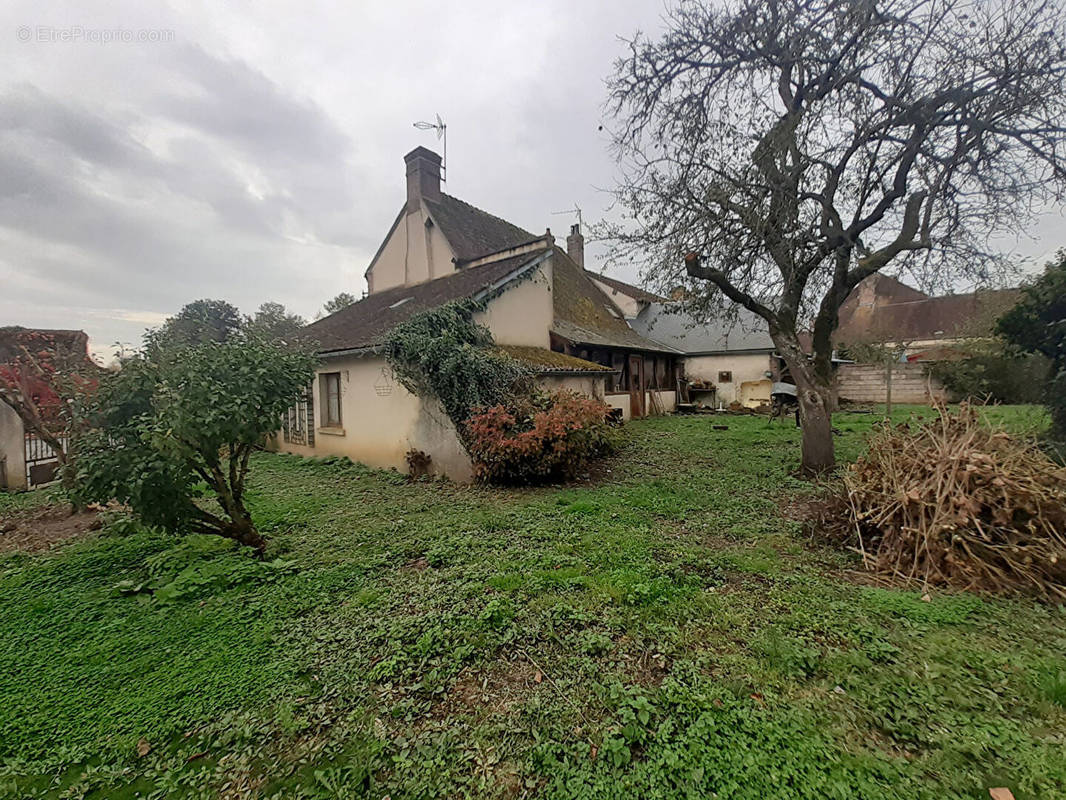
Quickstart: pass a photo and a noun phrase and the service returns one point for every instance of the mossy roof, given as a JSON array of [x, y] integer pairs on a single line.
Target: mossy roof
[[548, 361]]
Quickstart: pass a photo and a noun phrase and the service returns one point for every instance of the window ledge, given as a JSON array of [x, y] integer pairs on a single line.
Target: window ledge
[[332, 431]]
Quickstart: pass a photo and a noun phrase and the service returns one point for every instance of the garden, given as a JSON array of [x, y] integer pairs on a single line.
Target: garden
[[664, 627]]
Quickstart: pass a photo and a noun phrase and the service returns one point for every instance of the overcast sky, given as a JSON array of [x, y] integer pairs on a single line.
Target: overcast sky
[[255, 152]]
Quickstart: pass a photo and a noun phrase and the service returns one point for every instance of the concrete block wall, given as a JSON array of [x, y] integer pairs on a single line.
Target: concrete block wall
[[865, 383]]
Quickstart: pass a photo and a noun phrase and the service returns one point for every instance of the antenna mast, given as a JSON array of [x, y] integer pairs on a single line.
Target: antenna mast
[[575, 210], [442, 133]]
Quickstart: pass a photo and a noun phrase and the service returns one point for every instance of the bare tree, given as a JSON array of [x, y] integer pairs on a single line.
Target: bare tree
[[790, 148]]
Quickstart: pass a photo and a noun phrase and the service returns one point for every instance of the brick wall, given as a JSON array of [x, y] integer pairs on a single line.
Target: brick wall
[[865, 383]]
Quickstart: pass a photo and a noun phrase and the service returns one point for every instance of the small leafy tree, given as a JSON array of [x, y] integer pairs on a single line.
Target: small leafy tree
[[342, 300], [274, 321], [1037, 324], [197, 322], [177, 424]]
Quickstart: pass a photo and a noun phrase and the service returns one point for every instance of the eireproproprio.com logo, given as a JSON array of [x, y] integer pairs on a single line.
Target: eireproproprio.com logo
[[72, 34]]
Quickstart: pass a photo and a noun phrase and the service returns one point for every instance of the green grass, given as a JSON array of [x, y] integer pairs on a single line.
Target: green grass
[[667, 633]]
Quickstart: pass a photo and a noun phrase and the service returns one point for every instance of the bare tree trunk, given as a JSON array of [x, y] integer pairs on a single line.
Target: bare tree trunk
[[230, 496], [819, 454], [242, 530], [814, 393]]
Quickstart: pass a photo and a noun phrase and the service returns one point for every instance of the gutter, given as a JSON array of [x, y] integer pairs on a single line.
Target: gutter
[[358, 352], [579, 373]]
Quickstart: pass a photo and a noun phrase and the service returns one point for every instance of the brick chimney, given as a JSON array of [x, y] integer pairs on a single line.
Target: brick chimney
[[423, 177], [575, 245]]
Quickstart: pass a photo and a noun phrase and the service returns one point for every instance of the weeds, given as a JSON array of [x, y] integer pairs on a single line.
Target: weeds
[[667, 633]]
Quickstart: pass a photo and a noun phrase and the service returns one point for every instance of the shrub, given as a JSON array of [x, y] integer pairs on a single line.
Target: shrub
[[1037, 324], [990, 371], [538, 439]]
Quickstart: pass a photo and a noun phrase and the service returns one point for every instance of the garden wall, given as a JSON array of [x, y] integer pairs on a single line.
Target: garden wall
[[12, 452], [865, 383]]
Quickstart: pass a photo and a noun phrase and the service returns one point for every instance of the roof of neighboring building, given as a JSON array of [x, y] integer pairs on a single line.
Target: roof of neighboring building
[[366, 323], [629, 289], [667, 323], [13, 338], [585, 315], [547, 362], [473, 233], [956, 316]]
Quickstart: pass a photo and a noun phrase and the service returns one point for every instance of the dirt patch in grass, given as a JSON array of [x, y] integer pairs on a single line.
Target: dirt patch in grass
[[495, 690], [36, 529]]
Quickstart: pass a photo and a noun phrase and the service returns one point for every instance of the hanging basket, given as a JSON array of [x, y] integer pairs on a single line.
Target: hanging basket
[[383, 385]]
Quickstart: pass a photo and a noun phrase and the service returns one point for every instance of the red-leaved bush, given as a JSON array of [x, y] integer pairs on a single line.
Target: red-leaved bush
[[535, 440]]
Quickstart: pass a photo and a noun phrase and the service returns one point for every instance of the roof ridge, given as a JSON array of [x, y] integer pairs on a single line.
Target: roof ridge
[[618, 282]]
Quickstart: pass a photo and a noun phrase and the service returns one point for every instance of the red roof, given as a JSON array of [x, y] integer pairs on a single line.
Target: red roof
[[885, 310]]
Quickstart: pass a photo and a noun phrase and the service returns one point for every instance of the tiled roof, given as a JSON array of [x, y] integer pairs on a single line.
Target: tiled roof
[[472, 232], [956, 316], [546, 361], [626, 288], [672, 326], [585, 315], [366, 323]]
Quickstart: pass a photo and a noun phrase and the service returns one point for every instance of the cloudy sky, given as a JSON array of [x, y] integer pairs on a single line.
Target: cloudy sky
[[253, 151]]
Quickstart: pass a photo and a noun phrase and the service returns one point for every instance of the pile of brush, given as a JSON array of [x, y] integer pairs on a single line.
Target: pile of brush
[[955, 501]]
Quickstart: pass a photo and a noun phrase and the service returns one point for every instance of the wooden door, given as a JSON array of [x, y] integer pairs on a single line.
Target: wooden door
[[636, 387]]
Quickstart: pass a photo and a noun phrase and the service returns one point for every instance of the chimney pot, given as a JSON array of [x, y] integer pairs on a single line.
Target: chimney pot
[[423, 177], [575, 245]]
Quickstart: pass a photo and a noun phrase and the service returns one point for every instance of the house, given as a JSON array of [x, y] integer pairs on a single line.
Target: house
[[28, 358], [539, 304], [733, 358], [631, 300], [883, 310]]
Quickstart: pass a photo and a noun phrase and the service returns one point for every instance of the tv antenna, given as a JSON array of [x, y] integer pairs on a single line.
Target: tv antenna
[[442, 133], [575, 210]]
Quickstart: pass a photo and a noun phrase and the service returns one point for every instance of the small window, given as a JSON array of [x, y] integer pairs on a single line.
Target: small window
[[331, 399], [725, 376]]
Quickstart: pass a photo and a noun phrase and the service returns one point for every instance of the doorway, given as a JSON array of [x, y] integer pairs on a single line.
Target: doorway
[[636, 387]]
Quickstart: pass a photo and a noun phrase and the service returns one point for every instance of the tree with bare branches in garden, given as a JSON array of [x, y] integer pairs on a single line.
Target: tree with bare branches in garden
[[777, 152]]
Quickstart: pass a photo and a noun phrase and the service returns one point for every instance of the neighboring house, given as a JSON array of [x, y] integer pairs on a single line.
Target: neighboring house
[[736, 357], [631, 300], [541, 307], [883, 310], [25, 460]]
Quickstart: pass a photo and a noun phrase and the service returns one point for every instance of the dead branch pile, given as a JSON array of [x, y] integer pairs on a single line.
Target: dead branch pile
[[955, 501]]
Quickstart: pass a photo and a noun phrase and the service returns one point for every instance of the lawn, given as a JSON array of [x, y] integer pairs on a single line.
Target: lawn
[[666, 632]]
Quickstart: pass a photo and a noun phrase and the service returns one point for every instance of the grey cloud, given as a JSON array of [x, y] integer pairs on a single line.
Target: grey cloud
[[258, 156], [27, 110]]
